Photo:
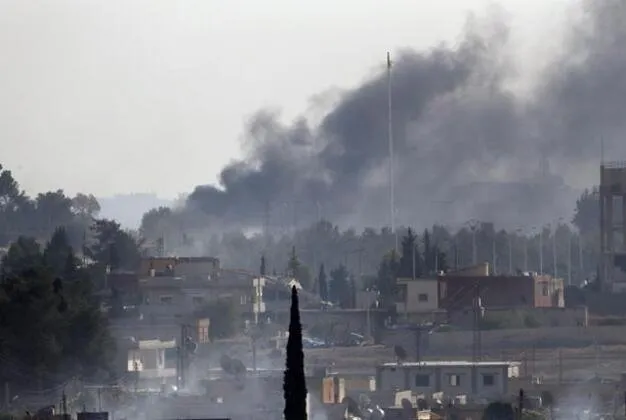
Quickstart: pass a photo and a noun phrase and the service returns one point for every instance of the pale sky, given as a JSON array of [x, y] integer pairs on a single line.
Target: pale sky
[[120, 96]]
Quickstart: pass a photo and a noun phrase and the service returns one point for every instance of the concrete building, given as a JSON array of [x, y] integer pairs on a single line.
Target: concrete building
[[613, 226], [521, 291], [153, 361], [488, 380], [179, 297], [417, 295], [200, 268]]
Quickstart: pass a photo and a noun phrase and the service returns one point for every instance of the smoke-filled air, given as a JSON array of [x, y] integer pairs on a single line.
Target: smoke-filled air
[[466, 145]]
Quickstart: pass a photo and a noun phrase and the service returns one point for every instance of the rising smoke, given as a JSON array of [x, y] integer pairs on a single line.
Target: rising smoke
[[466, 145]]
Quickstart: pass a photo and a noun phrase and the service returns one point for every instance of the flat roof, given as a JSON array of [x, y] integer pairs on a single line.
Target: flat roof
[[454, 363]]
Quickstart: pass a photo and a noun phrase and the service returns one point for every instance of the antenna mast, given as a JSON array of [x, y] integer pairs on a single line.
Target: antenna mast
[[392, 197]]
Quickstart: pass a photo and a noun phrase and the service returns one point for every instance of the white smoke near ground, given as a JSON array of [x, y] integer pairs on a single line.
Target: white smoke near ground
[[467, 145]]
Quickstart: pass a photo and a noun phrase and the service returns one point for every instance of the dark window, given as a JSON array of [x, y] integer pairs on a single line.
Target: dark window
[[422, 380], [489, 380], [422, 297]]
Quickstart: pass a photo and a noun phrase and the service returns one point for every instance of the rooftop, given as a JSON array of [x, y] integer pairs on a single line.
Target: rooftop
[[451, 363]]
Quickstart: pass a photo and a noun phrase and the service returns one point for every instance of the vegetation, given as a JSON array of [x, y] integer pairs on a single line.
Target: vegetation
[[294, 386], [51, 326], [37, 217]]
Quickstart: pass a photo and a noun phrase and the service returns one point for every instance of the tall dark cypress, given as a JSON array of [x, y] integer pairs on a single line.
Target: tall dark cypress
[[294, 385]]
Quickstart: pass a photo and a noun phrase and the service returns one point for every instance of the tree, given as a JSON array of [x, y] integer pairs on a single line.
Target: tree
[[59, 256], [410, 261], [51, 328], [386, 280], [340, 287], [297, 270], [293, 266], [323, 284], [587, 212], [294, 384], [85, 205], [114, 247], [262, 268]]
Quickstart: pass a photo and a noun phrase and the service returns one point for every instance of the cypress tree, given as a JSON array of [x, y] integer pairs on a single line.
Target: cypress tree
[[294, 384]]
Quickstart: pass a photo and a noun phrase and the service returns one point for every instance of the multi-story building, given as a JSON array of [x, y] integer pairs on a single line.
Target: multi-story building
[[488, 380], [201, 268], [529, 290]]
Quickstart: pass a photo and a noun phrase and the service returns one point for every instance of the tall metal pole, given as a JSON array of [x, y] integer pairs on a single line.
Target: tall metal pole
[[554, 263], [526, 253], [569, 258], [541, 250], [510, 255], [392, 193]]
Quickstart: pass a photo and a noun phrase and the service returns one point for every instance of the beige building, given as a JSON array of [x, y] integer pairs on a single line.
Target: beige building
[[488, 380], [417, 295]]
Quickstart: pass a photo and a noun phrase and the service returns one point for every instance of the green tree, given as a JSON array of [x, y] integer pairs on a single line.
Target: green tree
[[587, 211], [51, 328], [340, 287], [410, 261], [297, 270], [294, 384], [386, 280], [323, 284], [262, 269], [114, 247]]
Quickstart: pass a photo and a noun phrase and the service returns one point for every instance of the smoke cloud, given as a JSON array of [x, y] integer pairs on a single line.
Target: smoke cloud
[[466, 145]]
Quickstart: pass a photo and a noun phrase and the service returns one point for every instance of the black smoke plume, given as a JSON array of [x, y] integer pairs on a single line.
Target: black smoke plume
[[466, 145]]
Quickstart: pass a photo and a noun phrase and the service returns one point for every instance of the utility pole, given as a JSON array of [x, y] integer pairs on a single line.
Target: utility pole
[[541, 250], [182, 355], [569, 258], [554, 258], [392, 193], [64, 405], [526, 254], [510, 255], [493, 255]]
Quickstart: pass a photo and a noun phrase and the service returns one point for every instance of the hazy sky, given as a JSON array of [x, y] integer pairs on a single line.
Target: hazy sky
[[119, 96]]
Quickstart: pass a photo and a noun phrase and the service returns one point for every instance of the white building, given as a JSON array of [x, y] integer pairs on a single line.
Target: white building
[[417, 295], [488, 380], [148, 360]]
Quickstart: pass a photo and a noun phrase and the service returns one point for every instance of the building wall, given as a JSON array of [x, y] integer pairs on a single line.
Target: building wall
[[417, 296], [460, 292], [549, 292], [189, 267], [170, 297], [482, 381]]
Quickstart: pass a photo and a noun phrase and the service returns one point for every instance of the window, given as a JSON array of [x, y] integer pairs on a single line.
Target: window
[[454, 380], [422, 297], [544, 290], [243, 299], [166, 300], [422, 380], [197, 300], [489, 380]]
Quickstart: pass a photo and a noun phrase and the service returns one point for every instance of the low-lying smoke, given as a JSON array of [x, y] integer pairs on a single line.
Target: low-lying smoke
[[466, 146]]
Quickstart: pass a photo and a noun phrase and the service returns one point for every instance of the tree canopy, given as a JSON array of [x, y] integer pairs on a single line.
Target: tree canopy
[[51, 326], [38, 217]]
